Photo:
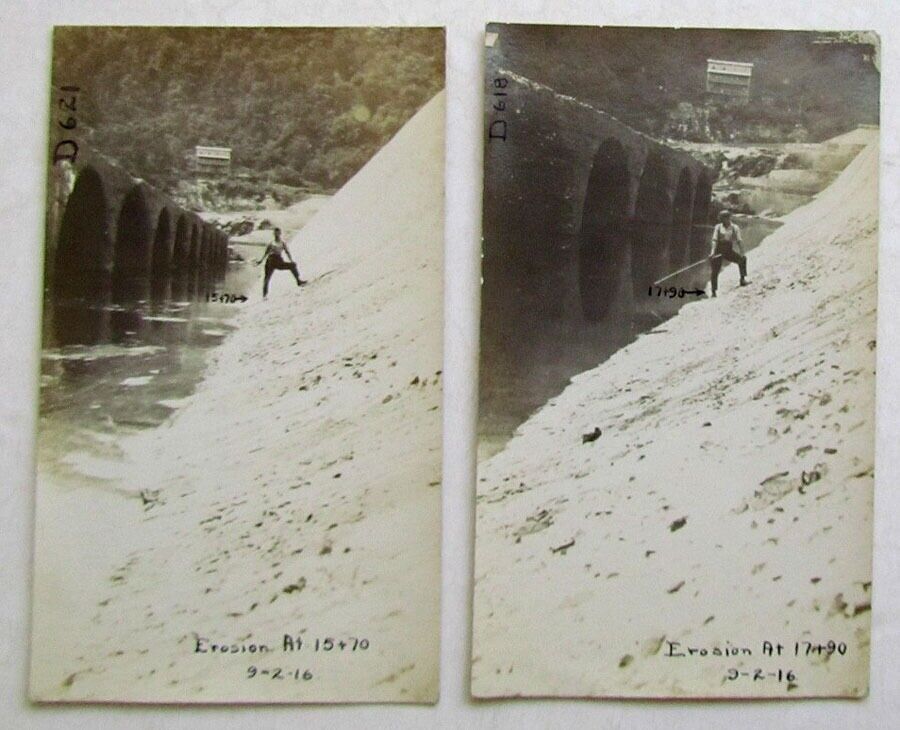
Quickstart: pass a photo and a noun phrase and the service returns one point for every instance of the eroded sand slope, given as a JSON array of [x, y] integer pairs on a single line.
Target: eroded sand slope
[[727, 502], [297, 491]]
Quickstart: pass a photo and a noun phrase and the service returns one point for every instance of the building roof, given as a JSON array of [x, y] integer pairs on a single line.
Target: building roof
[[736, 68], [216, 153]]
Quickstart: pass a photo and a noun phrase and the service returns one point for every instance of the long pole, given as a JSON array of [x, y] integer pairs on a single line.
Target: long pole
[[686, 268]]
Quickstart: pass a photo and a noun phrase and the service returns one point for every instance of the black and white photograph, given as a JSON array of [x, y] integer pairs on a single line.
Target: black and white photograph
[[239, 449], [677, 370]]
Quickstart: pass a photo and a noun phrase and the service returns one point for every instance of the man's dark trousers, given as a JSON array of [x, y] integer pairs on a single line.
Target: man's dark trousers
[[274, 262], [724, 252]]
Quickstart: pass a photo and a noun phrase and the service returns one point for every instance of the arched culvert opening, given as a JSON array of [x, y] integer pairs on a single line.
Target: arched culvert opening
[[682, 213], [194, 256], [221, 250], [163, 241], [211, 247], [603, 239], [701, 229], [204, 247], [182, 250], [134, 235], [651, 227], [83, 246]]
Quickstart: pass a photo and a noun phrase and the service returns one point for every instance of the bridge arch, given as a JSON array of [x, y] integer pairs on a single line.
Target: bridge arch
[[652, 224], [182, 249], [163, 243], [700, 217], [204, 246], [212, 256], [221, 250], [134, 234], [603, 239], [682, 218], [195, 247], [84, 246]]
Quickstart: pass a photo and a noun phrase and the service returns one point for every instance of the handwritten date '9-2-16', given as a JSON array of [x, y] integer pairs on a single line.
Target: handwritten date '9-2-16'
[[758, 675], [254, 672]]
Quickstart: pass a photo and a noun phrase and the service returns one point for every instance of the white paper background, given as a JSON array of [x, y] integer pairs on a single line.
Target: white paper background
[[25, 49]]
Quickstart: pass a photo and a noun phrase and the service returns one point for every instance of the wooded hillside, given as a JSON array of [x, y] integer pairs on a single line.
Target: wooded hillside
[[806, 85], [302, 107]]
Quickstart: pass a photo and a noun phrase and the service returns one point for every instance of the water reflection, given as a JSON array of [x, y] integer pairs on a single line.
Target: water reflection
[[122, 355]]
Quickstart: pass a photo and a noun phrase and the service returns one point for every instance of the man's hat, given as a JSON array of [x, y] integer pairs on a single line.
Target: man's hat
[[723, 214]]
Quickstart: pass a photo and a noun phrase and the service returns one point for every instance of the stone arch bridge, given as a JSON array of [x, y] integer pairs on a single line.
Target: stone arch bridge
[[581, 215], [106, 224]]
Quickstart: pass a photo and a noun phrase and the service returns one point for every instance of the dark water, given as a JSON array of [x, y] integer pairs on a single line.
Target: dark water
[[544, 363], [123, 358]]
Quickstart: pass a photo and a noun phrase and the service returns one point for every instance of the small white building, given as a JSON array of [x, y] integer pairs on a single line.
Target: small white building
[[212, 160], [729, 78]]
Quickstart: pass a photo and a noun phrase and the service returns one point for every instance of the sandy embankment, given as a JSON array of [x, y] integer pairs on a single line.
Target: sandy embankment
[[298, 488], [728, 500]]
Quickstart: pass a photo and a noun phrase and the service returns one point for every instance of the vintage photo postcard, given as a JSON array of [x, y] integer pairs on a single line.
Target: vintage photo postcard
[[239, 457], [676, 429]]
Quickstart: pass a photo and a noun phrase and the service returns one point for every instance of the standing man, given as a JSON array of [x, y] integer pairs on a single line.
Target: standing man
[[726, 245], [274, 258]]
